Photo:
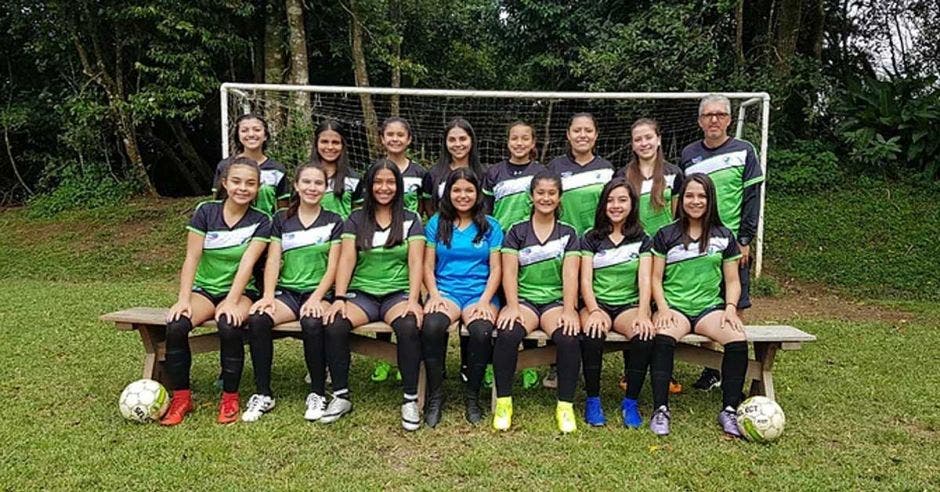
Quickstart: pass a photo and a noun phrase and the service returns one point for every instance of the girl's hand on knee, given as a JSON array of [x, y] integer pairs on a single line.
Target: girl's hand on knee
[[229, 310], [181, 308], [598, 323], [730, 318], [313, 308], [338, 308], [435, 304], [480, 311], [265, 305], [569, 324], [415, 309], [643, 328], [509, 316]]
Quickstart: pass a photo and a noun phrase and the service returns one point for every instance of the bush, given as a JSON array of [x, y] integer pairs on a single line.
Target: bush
[[806, 165], [765, 286], [89, 186]]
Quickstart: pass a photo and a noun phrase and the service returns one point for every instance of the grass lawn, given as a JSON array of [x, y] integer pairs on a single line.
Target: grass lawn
[[859, 416]]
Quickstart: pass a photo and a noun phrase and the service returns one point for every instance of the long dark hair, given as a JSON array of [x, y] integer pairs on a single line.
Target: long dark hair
[[532, 152], [710, 220], [239, 146], [575, 116], [448, 213], [473, 159], [368, 227], [603, 227], [635, 177], [342, 163], [294, 204], [221, 193], [546, 175]]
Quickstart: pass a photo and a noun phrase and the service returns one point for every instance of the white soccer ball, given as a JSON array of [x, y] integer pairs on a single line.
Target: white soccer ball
[[760, 419], [144, 400]]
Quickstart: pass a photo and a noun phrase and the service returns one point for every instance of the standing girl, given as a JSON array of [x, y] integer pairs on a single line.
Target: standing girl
[[460, 143], [330, 153], [615, 288], [379, 278], [696, 288], [540, 281], [226, 237], [506, 184], [462, 274], [251, 142], [300, 269]]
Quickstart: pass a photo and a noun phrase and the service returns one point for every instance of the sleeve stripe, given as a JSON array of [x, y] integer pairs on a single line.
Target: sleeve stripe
[[735, 257], [197, 231], [753, 181]]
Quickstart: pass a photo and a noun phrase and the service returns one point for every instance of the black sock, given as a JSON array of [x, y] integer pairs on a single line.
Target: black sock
[[434, 348], [568, 360], [479, 351], [664, 352], [314, 340], [626, 361], [505, 358], [231, 355], [179, 359], [733, 370], [261, 343], [338, 355], [592, 357], [641, 352], [408, 341], [464, 341]]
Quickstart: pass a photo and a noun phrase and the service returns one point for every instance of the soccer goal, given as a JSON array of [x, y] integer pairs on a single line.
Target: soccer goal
[[293, 111]]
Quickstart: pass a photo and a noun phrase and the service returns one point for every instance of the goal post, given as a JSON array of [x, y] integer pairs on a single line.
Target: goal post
[[490, 112]]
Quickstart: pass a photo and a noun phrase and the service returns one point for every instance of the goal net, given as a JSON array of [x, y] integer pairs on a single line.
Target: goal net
[[293, 112]]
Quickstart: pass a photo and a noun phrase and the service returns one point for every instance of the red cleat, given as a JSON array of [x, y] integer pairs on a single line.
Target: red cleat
[[180, 405], [228, 408]]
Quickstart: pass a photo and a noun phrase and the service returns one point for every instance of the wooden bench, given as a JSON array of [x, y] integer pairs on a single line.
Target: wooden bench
[[150, 324], [766, 340]]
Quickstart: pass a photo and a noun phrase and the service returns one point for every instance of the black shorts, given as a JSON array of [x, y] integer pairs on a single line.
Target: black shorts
[[693, 320], [614, 311], [217, 299], [540, 309], [376, 307], [295, 300], [744, 272]]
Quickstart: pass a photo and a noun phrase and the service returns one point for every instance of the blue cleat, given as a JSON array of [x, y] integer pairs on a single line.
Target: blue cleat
[[631, 414], [594, 412]]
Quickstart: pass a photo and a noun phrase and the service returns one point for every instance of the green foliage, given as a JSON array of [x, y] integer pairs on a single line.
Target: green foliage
[[90, 186], [765, 286], [889, 124], [804, 166]]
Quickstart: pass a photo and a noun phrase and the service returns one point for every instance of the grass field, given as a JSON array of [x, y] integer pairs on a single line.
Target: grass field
[[859, 415]]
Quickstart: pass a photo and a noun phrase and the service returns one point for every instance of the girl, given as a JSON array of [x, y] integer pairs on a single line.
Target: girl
[[226, 237], [615, 288], [695, 262], [251, 142], [540, 280], [461, 144], [329, 151], [379, 278], [583, 173], [301, 263], [396, 137], [461, 274], [506, 184]]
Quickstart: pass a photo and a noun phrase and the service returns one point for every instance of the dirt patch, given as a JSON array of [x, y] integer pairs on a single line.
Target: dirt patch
[[803, 300]]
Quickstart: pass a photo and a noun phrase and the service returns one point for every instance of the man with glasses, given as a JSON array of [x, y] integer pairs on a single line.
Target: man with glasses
[[733, 166]]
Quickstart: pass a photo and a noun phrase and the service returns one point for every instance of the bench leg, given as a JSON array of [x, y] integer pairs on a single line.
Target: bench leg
[[765, 353], [151, 337]]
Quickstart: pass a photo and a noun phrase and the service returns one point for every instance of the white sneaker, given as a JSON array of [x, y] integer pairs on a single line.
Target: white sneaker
[[316, 407], [338, 407], [410, 417], [258, 405], [550, 381]]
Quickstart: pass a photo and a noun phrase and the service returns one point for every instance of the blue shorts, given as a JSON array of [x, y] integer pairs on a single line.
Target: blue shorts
[[463, 301]]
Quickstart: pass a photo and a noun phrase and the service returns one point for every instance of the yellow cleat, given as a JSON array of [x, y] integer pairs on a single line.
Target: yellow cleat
[[502, 418], [564, 417]]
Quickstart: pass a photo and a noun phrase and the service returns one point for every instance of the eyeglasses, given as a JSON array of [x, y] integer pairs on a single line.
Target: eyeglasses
[[714, 116]]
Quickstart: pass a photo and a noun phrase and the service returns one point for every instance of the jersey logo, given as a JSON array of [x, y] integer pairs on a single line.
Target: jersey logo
[[511, 187], [349, 184], [616, 256], [271, 177], [551, 250], [717, 163], [597, 177], [677, 253], [412, 184], [228, 239], [440, 190], [381, 237], [310, 237]]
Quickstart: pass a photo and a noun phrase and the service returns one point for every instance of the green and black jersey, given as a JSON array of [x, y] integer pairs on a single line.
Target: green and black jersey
[[733, 167], [694, 281], [616, 267], [380, 270], [506, 186], [413, 177], [274, 184], [652, 219], [342, 205], [541, 262], [582, 186], [305, 250], [223, 246]]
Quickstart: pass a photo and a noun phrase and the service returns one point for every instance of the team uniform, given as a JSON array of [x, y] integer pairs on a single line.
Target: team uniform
[[540, 263], [413, 178], [650, 219], [463, 268], [274, 184], [506, 188], [616, 268], [736, 172], [344, 203], [305, 252], [582, 186]]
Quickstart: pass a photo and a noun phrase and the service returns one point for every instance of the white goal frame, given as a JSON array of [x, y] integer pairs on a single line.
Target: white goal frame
[[749, 99]]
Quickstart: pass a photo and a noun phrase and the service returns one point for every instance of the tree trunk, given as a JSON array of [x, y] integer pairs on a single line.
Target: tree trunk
[[16, 171], [788, 32], [739, 33], [299, 73], [819, 28], [362, 80], [275, 61], [189, 152]]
